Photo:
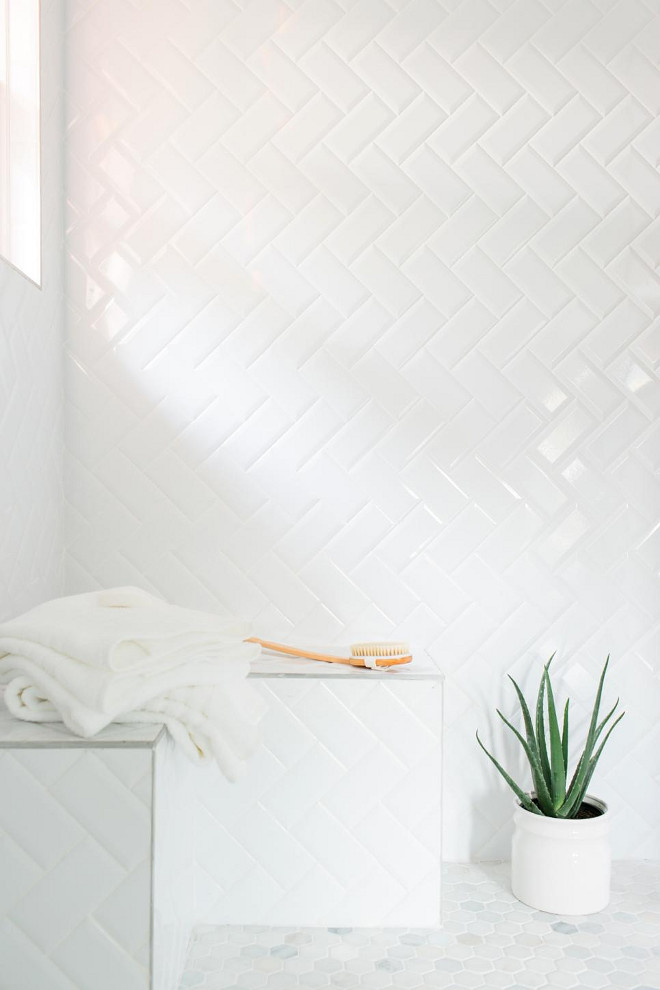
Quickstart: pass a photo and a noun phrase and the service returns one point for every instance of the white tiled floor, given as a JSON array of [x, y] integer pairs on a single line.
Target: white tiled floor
[[488, 940]]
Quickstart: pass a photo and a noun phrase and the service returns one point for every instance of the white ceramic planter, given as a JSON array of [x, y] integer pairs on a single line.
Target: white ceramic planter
[[562, 866]]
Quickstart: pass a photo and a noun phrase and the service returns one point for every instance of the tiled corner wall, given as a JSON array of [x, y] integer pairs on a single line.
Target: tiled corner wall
[[31, 319], [363, 340]]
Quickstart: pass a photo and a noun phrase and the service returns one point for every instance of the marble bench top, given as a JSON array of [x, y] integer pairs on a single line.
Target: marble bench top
[[272, 665], [16, 734]]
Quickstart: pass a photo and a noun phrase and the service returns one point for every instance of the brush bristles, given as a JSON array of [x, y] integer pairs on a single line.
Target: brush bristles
[[380, 649]]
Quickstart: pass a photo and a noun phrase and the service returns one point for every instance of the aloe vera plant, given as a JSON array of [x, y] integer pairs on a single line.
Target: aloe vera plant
[[546, 747]]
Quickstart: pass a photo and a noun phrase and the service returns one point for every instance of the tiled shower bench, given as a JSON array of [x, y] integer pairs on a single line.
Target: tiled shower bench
[[337, 819], [95, 858], [112, 849]]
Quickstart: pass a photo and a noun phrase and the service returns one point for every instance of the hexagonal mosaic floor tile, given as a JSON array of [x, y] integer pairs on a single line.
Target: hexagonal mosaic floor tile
[[488, 939]]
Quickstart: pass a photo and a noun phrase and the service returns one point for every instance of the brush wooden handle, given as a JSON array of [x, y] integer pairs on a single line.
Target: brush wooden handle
[[295, 651]]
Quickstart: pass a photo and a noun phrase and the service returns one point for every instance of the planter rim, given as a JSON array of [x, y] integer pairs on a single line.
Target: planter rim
[[576, 826]]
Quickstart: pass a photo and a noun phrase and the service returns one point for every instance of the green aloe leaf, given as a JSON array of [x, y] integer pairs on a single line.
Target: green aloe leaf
[[576, 804], [558, 770], [527, 718], [564, 738], [603, 722], [592, 735], [576, 781], [540, 727], [524, 798], [542, 793], [593, 725]]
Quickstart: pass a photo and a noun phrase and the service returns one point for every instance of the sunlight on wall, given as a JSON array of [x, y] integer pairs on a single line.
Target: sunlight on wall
[[20, 194], [363, 341]]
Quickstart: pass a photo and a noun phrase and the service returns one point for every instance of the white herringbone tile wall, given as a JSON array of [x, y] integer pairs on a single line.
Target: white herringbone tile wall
[[31, 339], [364, 339]]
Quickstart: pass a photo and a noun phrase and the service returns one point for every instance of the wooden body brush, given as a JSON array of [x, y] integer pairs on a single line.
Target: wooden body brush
[[358, 655]]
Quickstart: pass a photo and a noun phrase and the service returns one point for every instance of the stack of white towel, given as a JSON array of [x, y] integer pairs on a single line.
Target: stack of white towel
[[124, 655]]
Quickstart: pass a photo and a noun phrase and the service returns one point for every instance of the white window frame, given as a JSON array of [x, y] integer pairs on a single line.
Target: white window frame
[[20, 136]]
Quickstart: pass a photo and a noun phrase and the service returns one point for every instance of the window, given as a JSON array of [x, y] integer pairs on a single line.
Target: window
[[20, 193]]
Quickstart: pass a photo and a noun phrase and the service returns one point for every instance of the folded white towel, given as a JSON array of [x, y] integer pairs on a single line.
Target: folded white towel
[[203, 721], [123, 655], [120, 629]]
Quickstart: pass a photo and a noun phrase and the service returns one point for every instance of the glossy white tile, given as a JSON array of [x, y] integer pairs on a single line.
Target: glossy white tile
[[362, 307]]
